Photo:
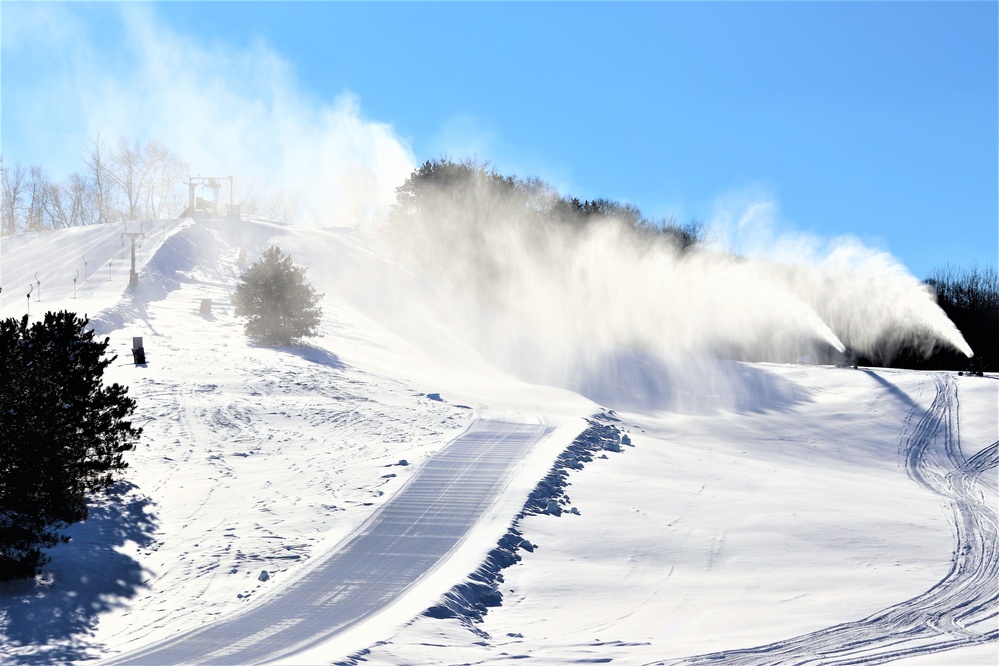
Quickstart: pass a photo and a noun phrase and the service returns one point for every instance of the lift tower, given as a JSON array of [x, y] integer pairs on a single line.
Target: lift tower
[[212, 183], [133, 277]]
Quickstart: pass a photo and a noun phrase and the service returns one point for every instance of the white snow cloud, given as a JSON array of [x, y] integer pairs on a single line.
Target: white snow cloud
[[224, 110], [599, 307], [867, 296]]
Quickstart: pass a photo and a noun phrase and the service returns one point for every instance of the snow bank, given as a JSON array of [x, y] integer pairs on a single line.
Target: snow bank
[[470, 600]]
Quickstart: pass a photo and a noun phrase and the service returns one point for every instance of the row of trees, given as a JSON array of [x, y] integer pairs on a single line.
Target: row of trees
[[127, 180], [464, 220], [970, 298], [474, 227], [442, 194]]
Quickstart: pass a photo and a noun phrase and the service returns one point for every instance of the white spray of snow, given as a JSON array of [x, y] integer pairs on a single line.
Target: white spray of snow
[[235, 111], [598, 306], [575, 307], [865, 295]]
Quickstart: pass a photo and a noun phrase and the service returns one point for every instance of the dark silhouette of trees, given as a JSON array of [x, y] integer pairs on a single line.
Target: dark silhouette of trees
[[442, 194], [63, 433], [473, 226], [970, 297], [280, 306]]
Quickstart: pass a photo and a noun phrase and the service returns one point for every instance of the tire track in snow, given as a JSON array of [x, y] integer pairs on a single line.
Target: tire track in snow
[[960, 610]]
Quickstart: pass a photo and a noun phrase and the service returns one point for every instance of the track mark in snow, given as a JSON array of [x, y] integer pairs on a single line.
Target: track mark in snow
[[961, 609], [406, 539]]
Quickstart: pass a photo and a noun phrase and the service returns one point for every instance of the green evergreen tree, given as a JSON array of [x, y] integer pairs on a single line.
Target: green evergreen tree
[[63, 433], [279, 305]]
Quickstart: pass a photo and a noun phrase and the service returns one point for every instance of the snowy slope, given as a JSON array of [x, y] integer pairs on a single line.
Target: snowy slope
[[735, 531], [770, 502], [253, 459]]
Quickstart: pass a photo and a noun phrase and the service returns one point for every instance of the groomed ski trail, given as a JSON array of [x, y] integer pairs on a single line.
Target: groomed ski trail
[[406, 539]]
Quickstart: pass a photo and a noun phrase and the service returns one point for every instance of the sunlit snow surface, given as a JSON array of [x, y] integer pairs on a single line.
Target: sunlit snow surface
[[779, 509], [405, 540]]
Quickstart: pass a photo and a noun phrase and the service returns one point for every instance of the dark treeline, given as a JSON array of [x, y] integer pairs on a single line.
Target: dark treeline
[[970, 298], [469, 218], [485, 232], [442, 194]]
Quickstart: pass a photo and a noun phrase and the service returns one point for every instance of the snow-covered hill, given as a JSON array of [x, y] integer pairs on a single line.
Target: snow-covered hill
[[842, 516]]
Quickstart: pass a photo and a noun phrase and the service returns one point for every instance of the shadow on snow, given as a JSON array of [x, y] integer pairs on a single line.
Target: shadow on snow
[[48, 619], [315, 355]]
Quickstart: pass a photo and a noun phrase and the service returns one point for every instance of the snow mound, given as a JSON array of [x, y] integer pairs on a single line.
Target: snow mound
[[470, 600]]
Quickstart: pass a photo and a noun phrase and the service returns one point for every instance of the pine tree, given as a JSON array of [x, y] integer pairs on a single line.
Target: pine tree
[[280, 306], [63, 433]]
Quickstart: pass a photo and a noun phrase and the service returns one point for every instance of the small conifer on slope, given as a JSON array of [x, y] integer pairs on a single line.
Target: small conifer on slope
[[279, 305]]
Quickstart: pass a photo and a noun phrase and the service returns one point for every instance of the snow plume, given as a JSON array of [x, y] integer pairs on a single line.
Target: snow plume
[[598, 302], [224, 110], [866, 296]]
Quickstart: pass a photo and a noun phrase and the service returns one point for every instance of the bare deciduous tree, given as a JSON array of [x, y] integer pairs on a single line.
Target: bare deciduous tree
[[12, 179], [131, 180], [165, 172], [40, 191], [99, 179], [81, 210], [128, 168], [55, 209]]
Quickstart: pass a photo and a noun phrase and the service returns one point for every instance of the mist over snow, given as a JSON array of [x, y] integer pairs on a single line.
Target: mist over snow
[[866, 296], [226, 111], [243, 112], [560, 294], [629, 318]]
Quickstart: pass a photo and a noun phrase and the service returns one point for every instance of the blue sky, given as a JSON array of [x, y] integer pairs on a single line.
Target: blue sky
[[876, 120]]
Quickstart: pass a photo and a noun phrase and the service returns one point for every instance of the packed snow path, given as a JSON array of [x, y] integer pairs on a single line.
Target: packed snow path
[[963, 608], [406, 539]]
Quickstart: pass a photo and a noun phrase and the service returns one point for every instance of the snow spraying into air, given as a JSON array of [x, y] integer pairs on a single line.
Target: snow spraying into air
[[226, 110], [557, 298], [867, 296], [599, 295]]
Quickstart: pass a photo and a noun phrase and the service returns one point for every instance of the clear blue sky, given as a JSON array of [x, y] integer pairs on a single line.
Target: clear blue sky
[[878, 120]]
